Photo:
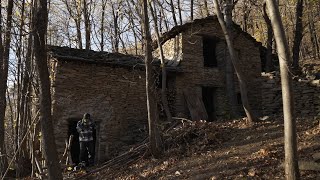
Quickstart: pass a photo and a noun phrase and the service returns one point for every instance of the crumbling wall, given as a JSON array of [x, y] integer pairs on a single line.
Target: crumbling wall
[[197, 76], [306, 96], [115, 97]]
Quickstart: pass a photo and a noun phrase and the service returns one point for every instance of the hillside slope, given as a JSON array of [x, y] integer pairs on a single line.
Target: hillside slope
[[224, 150]]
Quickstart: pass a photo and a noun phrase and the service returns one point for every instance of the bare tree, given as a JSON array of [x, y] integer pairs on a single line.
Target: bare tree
[[228, 7], [153, 116], [312, 30], [290, 134], [173, 13], [297, 35], [163, 67], [4, 64], [40, 22], [191, 10], [87, 24], [269, 65], [104, 4], [242, 81], [76, 16]]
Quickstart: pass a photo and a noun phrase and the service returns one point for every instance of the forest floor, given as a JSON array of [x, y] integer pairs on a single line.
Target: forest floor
[[225, 150]]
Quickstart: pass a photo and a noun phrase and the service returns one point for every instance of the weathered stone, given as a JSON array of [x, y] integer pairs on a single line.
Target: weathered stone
[[316, 156], [309, 166]]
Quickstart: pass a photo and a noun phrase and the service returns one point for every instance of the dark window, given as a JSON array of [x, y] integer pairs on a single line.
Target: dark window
[[239, 100], [209, 52], [209, 101]]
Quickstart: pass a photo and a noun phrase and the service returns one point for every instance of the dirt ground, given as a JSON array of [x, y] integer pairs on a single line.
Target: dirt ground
[[224, 150]]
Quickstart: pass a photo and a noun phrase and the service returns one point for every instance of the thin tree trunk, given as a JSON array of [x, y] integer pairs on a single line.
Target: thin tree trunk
[[269, 65], [50, 151], [242, 83], [313, 32], [297, 35], [115, 14], [191, 10], [153, 116], [4, 64], [87, 25], [164, 98], [179, 11], [19, 126], [290, 134], [245, 16], [173, 13], [206, 8], [229, 68], [104, 4]]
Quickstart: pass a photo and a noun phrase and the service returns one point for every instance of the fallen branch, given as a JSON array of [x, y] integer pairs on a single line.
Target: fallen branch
[[131, 156]]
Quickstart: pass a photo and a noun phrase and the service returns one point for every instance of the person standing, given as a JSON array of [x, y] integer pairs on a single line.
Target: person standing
[[85, 128]]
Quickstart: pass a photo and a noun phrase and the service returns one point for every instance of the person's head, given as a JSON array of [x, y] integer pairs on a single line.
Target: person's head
[[86, 117]]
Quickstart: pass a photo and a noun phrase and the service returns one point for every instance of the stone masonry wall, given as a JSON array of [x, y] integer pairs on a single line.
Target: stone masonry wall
[[306, 96], [195, 75], [114, 98]]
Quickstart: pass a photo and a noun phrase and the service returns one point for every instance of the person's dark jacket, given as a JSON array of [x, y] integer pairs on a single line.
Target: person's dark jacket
[[85, 130]]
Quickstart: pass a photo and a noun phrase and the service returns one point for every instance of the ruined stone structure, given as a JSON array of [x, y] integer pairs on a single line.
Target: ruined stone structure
[[200, 51], [306, 96], [111, 86]]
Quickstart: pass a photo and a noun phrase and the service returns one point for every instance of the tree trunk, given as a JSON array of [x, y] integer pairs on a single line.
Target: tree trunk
[[163, 68], [206, 8], [4, 65], [290, 135], [50, 151], [297, 35], [115, 14], [242, 83], [179, 11], [269, 64], [313, 33], [87, 24], [104, 4], [191, 10], [173, 13], [229, 69], [153, 116]]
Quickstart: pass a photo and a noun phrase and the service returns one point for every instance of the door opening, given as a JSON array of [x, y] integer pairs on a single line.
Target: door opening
[[208, 97], [75, 146]]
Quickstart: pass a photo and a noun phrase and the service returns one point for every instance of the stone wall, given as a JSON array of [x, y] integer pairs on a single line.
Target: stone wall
[[194, 75], [115, 97], [306, 96]]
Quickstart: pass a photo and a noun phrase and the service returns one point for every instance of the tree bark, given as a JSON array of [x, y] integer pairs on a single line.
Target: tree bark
[[297, 35], [115, 14], [87, 25], [40, 22], [163, 68], [290, 135], [229, 68], [104, 4], [153, 116], [4, 65], [173, 13], [269, 64], [191, 10], [206, 9], [242, 83], [313, 32], [179, 11]]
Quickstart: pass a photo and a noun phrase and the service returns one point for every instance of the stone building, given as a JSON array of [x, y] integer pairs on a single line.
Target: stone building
[[111, 86]]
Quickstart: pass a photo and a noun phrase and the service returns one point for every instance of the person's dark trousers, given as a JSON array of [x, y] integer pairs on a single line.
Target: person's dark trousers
[[87, 155]]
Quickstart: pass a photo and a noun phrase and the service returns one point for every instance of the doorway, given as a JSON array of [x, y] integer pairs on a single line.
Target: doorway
[[75, 146], [209, 100]]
